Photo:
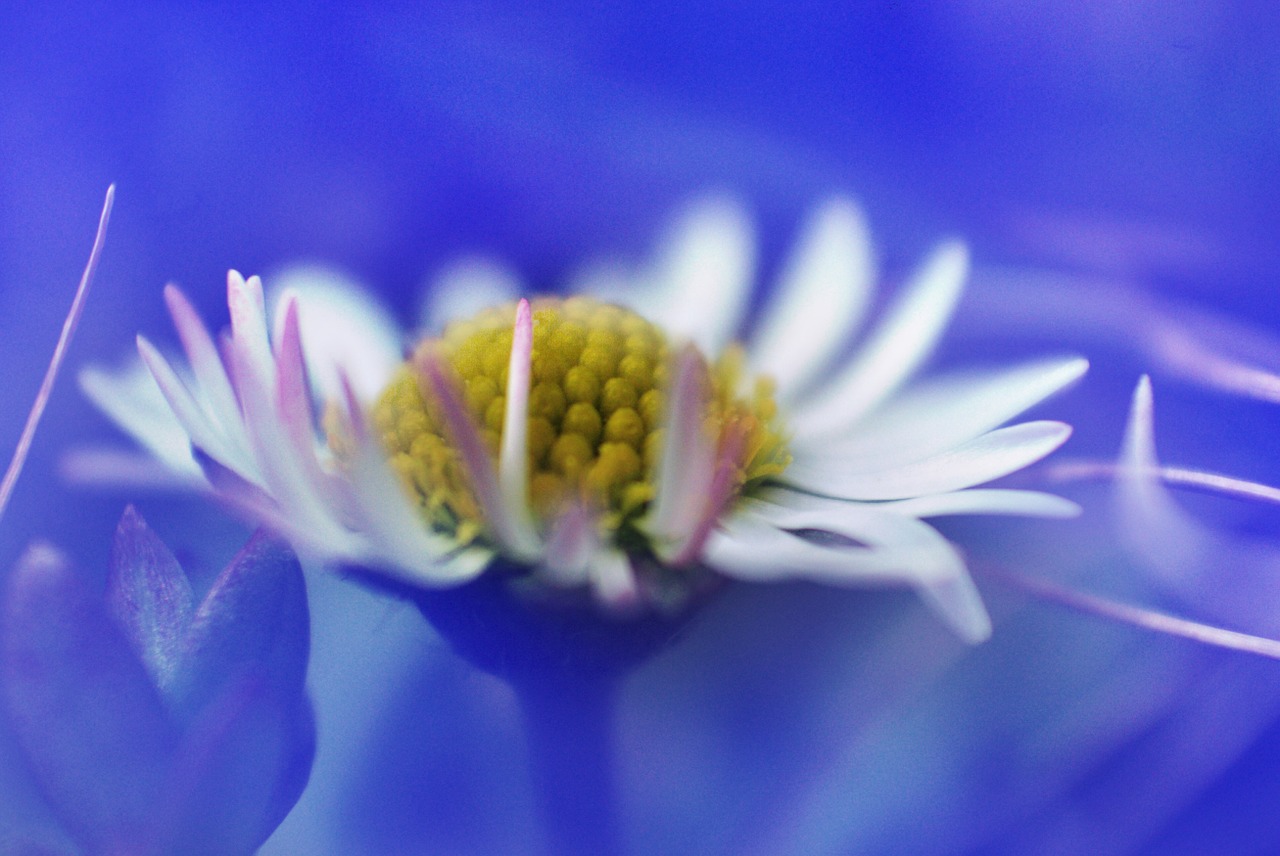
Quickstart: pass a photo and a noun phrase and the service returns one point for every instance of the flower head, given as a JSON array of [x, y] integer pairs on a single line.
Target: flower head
[[618, 440]]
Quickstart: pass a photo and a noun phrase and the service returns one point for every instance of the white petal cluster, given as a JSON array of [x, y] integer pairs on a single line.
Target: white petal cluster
[[873, 456]]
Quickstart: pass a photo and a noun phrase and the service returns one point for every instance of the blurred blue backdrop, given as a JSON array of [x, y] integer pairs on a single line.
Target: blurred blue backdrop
[[1136, 143]]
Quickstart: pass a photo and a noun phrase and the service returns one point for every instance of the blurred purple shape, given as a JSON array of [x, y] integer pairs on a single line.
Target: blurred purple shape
[[152, 724]]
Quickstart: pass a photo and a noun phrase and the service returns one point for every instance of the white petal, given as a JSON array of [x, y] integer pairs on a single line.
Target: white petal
[[131, 399], [903, 340], [994, 454], [465, 288], [513, 459], [247, 307], [570, 548], [1022, 503], [189, 412], [342, 327], [134, 469], [753, 547], [941, 580], [820, 301], [944, 412], [703, 276]]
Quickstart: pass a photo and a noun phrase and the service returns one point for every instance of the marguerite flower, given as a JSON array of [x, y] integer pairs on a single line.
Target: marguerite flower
[[618, 440]]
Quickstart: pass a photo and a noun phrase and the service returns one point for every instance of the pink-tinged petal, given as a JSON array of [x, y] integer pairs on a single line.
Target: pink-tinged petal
[[902, 341], [820, 301], [513, 458], [206, 364], [284, 473], [687, 465], [82, 705], [247, 307], [994, 454], [342, 327], [293, 397], [185, 408], [1159, 533], [475, 457], [613, 581], [401, 543], [719, 492], [570, 547], [1023, 503], [704, 275]]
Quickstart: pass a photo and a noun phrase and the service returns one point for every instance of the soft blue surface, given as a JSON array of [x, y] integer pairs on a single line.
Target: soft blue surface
[[1137, 144]]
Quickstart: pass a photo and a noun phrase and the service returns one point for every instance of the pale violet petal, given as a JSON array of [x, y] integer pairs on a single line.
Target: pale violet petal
[[131, 399], [990, 456], [820, 301], [139, 470], [463, 289], [1021, 503], [703, 277], [897, 347], [943, 412], [959, 604], [1159, 533], [343, 327]]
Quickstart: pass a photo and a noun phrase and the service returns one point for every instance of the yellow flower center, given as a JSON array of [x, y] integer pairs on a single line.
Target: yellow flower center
[[597, 402]]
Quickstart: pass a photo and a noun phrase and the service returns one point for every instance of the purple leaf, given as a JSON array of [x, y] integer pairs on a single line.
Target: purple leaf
[[83, 707], [254, 619], [150, 597], [242, 766]]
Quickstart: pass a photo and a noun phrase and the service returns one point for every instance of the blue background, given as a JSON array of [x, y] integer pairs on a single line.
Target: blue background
[[1136, 143]]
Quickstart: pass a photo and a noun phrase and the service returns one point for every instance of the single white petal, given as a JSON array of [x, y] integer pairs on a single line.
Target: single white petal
[[942, 579], [463, 289], [820, 301], [703, 276], [944, 412], [343, 327], [903, 340], [1022, 503], [994, 454], [131, 399], [752, 547]]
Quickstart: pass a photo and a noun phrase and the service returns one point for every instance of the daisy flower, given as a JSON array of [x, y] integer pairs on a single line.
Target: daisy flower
[[635, 439]]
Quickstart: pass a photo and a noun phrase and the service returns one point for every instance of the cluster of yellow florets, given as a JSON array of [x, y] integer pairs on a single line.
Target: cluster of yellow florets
[[596, 410]]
